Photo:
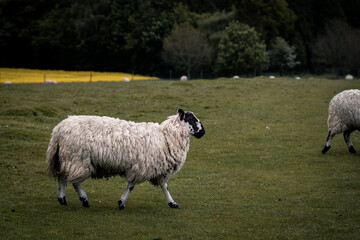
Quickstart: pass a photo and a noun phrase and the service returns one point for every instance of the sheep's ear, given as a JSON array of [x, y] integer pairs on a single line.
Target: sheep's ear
[[181, 114]]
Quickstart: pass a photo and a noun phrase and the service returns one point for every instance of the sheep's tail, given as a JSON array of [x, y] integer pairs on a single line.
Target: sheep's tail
[[52, 159]]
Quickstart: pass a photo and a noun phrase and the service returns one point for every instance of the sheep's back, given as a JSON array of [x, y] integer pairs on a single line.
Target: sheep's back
[[110, 146]]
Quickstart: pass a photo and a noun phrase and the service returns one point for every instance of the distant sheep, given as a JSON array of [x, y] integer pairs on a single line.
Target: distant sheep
[[50, 81], [349, 77], [344, 117], [97, 147], [183, 78]]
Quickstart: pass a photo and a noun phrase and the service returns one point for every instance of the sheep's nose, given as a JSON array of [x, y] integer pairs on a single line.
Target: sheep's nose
[[200, 133]]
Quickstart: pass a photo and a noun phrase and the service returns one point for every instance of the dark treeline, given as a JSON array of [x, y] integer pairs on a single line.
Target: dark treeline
[[128, 35]]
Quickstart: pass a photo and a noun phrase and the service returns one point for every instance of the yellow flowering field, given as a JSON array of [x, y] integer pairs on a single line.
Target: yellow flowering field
[[20, 75]]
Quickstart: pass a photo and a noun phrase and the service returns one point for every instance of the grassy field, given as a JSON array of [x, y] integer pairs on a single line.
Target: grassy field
[[258, 173], [18, 75]]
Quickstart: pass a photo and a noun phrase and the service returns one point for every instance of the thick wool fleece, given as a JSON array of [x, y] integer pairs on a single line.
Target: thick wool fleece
[[84, 146], [344, 111]]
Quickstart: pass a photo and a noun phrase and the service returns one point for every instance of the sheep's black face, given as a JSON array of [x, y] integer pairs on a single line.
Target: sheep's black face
[[196, 128]]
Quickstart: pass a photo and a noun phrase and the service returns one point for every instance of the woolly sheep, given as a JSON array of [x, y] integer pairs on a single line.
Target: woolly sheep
[[50, 81], [344, 117], [349, 77], [183, 78], [97, 147]]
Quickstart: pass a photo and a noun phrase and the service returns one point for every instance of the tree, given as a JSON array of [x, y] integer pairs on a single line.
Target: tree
[[148, 23], [18, 24], [240, 50], [270, 18], [186, 49], [55, 44], [74, 36], [351, 12], [202, 6], [354, 59], [282, 55], [338, 47]]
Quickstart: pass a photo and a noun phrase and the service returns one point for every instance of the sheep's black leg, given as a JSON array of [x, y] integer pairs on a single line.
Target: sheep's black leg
[[61, 192], [348, 141], [328, 142], [169, 199], [82, 195], [125, 195]]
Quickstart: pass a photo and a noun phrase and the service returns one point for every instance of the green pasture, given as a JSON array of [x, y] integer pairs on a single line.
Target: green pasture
[[258, 173]]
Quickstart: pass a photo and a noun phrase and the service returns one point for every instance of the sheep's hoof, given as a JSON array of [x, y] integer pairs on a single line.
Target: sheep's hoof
[[121, 205], [85, 202], [174, 205], [352, 149], [326, 148], [62, 201]]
